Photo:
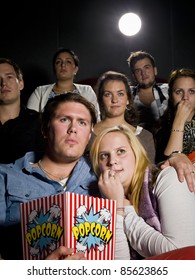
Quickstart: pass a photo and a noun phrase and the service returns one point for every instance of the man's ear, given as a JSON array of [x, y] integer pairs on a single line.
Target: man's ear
[[92, 136], [155, 71], [21, 84]]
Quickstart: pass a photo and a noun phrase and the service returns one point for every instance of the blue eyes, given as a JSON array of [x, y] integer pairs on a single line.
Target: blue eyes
[[119, 152], [103, 156], [108, 94]]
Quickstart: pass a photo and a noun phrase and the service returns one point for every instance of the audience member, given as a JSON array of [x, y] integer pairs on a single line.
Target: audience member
[[177, 127], [67, 122], [20, 129], [154, 209], [65, 65], [150, 97], [116, 108]]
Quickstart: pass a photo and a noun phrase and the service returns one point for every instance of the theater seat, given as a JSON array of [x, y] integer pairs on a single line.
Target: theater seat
[[186, 253]]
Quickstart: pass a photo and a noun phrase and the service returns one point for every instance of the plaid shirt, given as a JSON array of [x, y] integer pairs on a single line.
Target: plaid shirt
[[160, 103]]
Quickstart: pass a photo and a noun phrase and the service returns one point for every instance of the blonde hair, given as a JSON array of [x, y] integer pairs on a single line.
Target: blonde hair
[[141, 160]]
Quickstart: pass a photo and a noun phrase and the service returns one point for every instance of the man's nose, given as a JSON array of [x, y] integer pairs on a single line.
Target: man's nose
[[143, 71], [72, 128], [2, 82]]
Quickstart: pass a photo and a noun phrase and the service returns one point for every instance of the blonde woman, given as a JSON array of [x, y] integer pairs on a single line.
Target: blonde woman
[[154, 209]]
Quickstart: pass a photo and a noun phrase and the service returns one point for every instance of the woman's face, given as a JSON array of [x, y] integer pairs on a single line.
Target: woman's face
[[115, 98], [115, 154], [183, 89], [65, 67]]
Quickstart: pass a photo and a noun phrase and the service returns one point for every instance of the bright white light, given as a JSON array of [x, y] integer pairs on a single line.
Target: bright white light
[[129, 24]]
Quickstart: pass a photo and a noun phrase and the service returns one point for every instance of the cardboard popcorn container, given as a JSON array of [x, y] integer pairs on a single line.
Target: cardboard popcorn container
[[76, 221]]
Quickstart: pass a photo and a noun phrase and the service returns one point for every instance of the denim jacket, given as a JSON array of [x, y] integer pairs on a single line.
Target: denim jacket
[[22, 182]]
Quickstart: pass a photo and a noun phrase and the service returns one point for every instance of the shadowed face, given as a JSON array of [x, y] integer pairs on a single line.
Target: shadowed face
[[144, 73], [10, 86], [65, 67]]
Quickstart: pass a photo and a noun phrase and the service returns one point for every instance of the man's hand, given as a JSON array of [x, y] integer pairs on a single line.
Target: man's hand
[[184, 167], [63, 253]]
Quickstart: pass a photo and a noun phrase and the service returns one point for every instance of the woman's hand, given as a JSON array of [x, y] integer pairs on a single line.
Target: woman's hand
[[185, 109], [111, 187]]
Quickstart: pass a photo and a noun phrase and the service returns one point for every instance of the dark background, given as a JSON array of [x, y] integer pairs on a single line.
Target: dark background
[[31, 31]]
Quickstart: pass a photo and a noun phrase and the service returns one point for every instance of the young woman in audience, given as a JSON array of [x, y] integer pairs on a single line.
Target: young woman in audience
[[177, 128], [65, 67], [116, 107], [155, 211]]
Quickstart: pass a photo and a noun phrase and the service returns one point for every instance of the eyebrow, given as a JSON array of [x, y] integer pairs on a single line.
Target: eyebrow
[[115, 149], [58, 116], [10, 73], [149, 64]]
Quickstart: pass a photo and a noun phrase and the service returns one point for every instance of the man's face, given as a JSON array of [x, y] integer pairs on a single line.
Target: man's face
[[10, 86], [69, 131], [144, 73]]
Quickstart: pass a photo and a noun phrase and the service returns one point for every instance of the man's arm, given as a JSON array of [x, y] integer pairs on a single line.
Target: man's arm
[[184, 167]]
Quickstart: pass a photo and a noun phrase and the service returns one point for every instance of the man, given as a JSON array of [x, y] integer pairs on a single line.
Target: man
[[150, 98], [67, 123], [20, 129]]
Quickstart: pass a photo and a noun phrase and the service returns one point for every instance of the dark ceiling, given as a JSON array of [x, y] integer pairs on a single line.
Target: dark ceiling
[[31, 33]]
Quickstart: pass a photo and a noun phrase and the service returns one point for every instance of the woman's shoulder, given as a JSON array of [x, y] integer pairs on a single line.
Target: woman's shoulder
[[83, 87], [144, 132], [44, 87], [166, 179], [97, 128]]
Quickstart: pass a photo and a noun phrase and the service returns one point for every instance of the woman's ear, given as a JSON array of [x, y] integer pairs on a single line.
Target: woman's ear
[[76, 70], [43, 133]]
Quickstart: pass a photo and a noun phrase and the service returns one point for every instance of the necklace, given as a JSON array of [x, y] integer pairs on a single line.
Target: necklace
[[62, 90], [48, 173]]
